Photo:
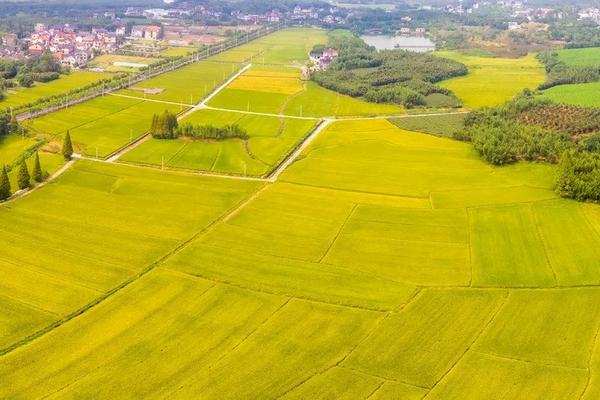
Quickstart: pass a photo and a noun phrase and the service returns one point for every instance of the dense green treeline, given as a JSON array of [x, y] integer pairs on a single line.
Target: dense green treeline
[[559, 73], [165, 126], [393, 76], [538, 130]]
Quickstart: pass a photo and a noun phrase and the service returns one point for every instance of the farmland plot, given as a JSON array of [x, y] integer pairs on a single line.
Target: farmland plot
[[270, 139], [103, 125], [492, 81], [291, 96], [187, 85], [52, 242], [383, 264], [76, 79]]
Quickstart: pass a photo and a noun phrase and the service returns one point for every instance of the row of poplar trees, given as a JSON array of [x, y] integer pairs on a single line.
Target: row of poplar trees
[[24, 177]]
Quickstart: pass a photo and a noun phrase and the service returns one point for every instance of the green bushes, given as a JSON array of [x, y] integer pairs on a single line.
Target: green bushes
[[5, 190], [533, 130], [23, 179], [67, 147], [164, 126], [46, 76], [209, 132], [559, 73], [500, 141], [579, 175]]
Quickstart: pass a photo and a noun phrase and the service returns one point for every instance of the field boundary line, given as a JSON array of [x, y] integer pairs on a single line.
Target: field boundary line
[[29, 305], [233, 348], [491, 319], [127, 148], [144, 99], [283, 293], [589, 367], [541, 364], [383, 378], [252, 332], [356, 191], [132, 279], [274, 115], [289, 160], [174, 155], [177, 170], [470, 227], [542, 238], [60, 279], [398, 116], [245, 203], [304, 380], [375, 391], [339, 232], [106, 362], [589, 223]]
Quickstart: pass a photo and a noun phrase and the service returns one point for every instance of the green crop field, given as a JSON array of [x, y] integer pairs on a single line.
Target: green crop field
[[102, 125], [76, 79], [492, 81], [580, 94], [186, 85], [472, 278], [588, 57], [13, 146], [439, 125], [274, 91], [270, 139], [382, 263]]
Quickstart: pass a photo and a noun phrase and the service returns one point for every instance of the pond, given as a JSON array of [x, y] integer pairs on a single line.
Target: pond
[[417, 44]]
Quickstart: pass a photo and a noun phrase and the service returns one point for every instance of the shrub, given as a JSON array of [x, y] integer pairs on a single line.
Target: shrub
[[37, 173], [67, 147], [5, 190], [26, 81], [500, 141], [579, 175], [164, 126], [212, 132], [23, 179]]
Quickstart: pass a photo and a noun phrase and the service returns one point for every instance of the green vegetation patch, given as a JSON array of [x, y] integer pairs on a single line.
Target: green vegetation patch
[[439, 125], [270, 139], [20, 96]]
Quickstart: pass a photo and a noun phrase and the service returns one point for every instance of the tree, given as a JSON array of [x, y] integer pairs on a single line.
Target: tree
[[4, 184], [14, 124], [26, 81], [37, 173], [67, 148], [24, 178]]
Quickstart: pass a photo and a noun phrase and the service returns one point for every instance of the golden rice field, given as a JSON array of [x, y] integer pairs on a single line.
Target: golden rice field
[[383, 263], [492, 81]]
